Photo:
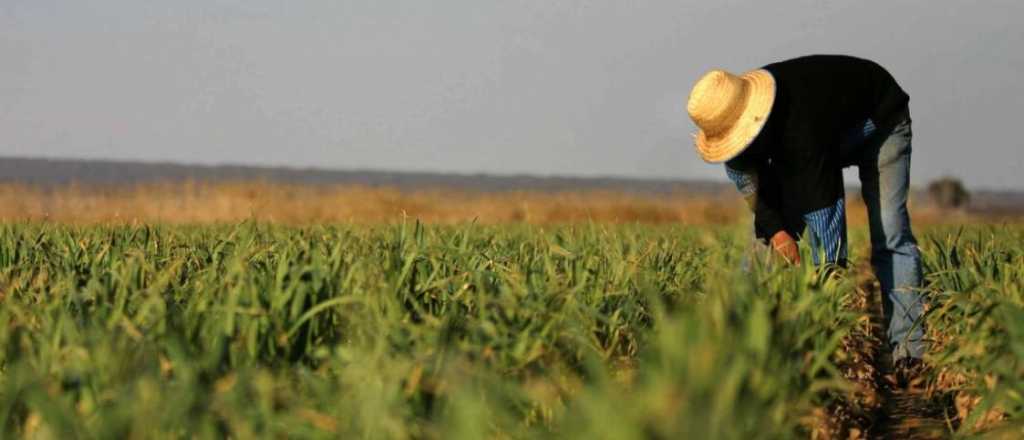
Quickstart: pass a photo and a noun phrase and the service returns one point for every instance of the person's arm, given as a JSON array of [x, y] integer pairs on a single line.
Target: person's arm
[[762, 197], [771, 225]]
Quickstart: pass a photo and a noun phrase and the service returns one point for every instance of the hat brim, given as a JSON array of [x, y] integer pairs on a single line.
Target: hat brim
[[732, 142]]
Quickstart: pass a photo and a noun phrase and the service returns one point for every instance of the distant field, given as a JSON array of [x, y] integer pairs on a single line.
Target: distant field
[[294, 204], [311, 204], [470, 331]]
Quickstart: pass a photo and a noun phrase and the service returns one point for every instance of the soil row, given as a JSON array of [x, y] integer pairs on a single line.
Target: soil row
[[877, 407]]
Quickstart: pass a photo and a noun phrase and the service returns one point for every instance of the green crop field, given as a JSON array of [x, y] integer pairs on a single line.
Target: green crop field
[[468, 332]]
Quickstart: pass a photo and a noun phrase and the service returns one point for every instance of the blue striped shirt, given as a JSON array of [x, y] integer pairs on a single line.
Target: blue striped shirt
[[746, 183], [827, 231]]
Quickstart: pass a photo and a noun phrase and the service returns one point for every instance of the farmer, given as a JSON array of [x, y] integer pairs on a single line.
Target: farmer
[[785, 132]]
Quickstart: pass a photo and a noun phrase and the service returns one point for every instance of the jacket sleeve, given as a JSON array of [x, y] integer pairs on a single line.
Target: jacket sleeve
[[760, 191], [768, 214]]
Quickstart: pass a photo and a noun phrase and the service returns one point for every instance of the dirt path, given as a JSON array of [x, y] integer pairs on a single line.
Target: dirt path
[[904, 412], [877, 408], [910, 413]]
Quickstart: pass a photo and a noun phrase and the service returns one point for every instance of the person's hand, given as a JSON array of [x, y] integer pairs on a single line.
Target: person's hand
[[785, 245]]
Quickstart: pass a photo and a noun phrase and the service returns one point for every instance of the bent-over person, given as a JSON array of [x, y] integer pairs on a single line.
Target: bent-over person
[[785, 132]]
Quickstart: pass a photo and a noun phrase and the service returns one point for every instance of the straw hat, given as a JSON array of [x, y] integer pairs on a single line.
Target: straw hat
[[730, 111]]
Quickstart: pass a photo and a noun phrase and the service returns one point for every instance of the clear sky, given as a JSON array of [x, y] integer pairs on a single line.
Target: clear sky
[[574, 87]]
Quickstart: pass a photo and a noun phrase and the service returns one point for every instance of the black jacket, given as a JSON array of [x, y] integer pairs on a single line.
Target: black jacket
[[796, 155]]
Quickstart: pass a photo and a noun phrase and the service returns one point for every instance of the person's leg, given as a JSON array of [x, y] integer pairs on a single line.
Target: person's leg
[[885, 179]]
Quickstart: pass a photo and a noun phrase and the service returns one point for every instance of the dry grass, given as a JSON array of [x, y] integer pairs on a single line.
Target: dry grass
[[192, 202], [296, 204]]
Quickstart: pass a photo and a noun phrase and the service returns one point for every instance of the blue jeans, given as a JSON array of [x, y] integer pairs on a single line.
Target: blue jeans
[[883, 162]]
